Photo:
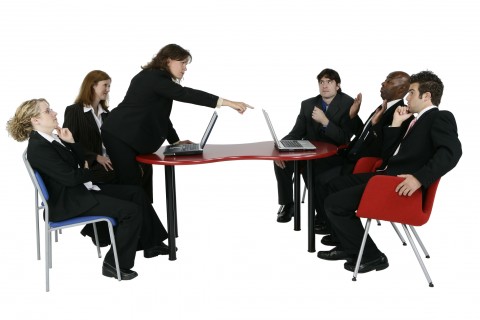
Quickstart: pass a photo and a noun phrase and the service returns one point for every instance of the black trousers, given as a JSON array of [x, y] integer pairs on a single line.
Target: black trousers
[[126, 167], [341, 203], [138, 226], [322, 179], [284, 176]]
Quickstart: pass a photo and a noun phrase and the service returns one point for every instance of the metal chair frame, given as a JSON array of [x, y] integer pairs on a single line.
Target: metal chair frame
[[42, 193]]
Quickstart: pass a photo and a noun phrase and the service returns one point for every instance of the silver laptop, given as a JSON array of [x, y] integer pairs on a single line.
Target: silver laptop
[[193, 148], [287, 145]]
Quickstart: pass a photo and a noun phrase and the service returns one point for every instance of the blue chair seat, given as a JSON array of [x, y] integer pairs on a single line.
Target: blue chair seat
[[81, 220]]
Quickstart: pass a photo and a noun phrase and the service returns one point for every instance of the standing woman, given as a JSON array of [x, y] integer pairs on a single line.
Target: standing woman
[[141, 122], [85, 118]]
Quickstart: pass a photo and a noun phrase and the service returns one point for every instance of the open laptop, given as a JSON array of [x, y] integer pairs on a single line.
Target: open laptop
[[288, 145], [193, 148]]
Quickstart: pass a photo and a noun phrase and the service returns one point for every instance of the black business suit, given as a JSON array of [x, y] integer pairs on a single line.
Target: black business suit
[[429, 150], [85, 131], [370, 146], [141, 122], [337, 132], [61, 167]]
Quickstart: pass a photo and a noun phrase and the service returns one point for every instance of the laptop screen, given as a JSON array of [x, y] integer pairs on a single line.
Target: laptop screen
[[274, 136], [209, 129]]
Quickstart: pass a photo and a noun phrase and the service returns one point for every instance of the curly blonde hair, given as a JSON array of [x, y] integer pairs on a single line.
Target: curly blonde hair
[[20, 125]]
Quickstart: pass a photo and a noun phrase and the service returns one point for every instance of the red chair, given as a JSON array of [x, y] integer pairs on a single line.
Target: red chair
[[370, 164], [367, 164], [380, 201]]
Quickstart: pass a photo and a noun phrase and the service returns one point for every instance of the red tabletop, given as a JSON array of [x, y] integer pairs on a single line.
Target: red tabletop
[[264, 150]]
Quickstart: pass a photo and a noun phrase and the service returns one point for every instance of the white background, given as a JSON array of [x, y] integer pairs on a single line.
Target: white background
[[234, 260]]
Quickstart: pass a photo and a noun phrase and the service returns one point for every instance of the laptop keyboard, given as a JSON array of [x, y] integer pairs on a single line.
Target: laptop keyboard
[[190, 147], [292, 144]]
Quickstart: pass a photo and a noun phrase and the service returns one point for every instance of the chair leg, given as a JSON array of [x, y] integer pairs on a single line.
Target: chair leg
[[56, 235], [398, 233], [378, 223], [304, 193], [49, 257], [114, 248], [420, 242], [37, 224], [48, 262], [362, 247], [96, 240], [425, 272]]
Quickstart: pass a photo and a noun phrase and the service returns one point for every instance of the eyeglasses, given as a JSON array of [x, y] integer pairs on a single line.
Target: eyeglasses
[[47, 111]]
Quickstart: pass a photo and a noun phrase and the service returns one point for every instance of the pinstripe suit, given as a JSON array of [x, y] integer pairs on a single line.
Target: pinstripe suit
[[85, 131]]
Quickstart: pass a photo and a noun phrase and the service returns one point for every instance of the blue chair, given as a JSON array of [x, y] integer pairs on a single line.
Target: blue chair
[[50, 226]]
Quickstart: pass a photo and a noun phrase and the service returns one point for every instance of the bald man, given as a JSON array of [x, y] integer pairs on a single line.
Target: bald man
[[367, 143]]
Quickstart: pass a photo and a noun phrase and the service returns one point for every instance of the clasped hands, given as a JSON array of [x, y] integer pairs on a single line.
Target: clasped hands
[[319, 116]]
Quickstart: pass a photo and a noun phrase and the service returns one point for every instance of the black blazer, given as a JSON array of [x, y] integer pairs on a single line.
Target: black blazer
[[59, 168], [338, 130], [373, 143], [142, 119], [429, 150], [85, 131]]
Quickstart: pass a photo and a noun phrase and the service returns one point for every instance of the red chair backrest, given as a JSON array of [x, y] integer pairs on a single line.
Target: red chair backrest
[[429, 197], [367, 164], [380, 201]]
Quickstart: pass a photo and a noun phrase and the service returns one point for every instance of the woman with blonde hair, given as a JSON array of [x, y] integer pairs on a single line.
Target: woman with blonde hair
[[62, 165]]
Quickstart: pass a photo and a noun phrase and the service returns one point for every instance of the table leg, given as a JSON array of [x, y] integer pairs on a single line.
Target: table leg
[[296, 196], [174, 191], [311, 207], [171, 212]]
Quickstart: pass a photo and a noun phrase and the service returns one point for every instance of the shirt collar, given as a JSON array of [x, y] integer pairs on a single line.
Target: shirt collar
[[391, 103], [90, 108], [49, 137], [425, 110]]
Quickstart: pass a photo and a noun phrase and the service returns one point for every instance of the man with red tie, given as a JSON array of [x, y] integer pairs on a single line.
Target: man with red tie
[[428, 150]]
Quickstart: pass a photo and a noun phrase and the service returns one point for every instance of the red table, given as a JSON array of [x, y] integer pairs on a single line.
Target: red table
[[247, 151]]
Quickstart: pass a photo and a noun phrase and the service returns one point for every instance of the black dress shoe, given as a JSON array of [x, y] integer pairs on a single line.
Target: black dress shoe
[[334, 254], [377, 264], [330, 240], [286, 214], [161, 249], [125, 274], [322, 228]]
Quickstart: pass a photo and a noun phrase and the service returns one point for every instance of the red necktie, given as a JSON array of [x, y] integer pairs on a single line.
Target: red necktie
[[410, 126]]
